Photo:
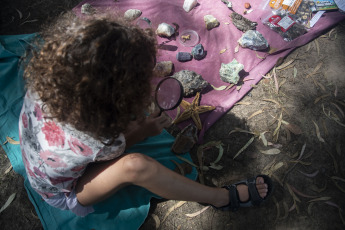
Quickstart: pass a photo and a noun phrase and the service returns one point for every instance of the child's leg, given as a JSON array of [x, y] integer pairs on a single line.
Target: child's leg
[[101, 180]]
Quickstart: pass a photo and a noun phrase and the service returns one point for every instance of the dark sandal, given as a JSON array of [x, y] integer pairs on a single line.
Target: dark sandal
[[254, 197]]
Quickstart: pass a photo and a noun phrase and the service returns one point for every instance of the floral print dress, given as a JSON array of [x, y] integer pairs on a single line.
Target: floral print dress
[[56, 155]]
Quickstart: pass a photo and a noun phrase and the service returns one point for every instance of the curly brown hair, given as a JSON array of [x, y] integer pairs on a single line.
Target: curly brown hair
[[94, 74]]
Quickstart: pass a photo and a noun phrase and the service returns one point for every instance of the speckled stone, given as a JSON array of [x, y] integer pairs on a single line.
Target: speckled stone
[[191, 82]]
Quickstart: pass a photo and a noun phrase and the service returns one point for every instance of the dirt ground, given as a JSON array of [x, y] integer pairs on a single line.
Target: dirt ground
[[303, 119]]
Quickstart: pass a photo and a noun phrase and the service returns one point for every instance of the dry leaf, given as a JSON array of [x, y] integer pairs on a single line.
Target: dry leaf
[[318, 133], [171, 209], [191, 215], [257, 55], [321, 97], [238, 87], [8, 169], [275, 80], [274, 101], [317, 47], [292, 128], [156, 219], [11, 141], [320, 199], [223, 87], [226, 23], [222, 51], [263, 138], [237, 48], [311, 175], [315, 70], [318, 190], [8, 202], [243, 103], [256, 113], [285, 64], [300, 193], [270, 151], [244, 147], [340, 110]]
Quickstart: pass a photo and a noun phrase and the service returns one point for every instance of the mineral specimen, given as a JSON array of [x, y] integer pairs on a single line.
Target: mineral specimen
[[185, 140], [198, 52], [165, 30], [188, 5], [87, 9], [253, 40], [227, 3], [242, 23], [164, 68], [183, 56], [132, 14], [191, 82], [211, 22], [229, 72]]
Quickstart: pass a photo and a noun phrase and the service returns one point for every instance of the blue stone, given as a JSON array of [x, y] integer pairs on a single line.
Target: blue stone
[[183, 56], [198, 52]]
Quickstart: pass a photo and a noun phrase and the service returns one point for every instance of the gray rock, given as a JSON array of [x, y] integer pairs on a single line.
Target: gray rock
[[198, 52], [132, 14], [87, 9], [191, 82], [229, 72], [183, 56], [253, 40], [164, 68]]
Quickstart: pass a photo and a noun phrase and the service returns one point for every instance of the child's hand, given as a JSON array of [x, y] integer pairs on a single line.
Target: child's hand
[[151, 126]]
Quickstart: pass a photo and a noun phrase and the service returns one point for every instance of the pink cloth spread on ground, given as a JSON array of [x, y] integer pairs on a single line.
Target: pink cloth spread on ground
[[225, 36]]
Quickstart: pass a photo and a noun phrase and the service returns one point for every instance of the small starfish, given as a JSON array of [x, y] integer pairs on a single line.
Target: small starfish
[[193, 110]]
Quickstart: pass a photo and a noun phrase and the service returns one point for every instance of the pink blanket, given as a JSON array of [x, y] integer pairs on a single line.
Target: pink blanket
[[223, 37]]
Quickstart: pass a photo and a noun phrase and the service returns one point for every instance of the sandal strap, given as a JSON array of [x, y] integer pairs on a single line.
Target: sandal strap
[[253, 192], [234, 197]]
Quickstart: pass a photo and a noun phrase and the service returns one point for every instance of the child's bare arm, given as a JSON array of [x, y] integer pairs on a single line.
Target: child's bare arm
[[151, 126]]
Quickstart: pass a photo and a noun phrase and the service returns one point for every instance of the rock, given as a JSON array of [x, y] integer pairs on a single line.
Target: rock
[[211, 22], [165, 30], [229, 72], [87, 9], [132, 14], [242, 23], [227, 3], [164, 68], [188, 5], [191, 82], [198, 52], [253, 40], [183, 56], [185, 140]]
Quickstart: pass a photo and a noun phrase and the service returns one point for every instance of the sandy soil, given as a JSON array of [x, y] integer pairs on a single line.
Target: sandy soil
[[310, 162]]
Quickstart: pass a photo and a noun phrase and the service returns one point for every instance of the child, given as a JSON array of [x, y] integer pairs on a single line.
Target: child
[[88, 89]]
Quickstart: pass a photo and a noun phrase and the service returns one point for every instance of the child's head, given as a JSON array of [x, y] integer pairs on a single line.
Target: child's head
[[94, 74]]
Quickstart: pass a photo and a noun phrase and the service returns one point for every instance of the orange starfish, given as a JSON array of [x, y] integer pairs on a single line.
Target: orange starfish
[[193, 110]]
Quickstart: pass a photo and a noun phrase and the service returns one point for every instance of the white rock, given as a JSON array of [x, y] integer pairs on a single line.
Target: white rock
[[210, 22], [188, 5], [132, 14], [165, 30]]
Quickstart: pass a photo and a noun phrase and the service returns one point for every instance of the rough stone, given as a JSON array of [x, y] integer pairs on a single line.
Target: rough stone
[[242, 23], [185, 140], [198, 52], [184, 56], [164, 68], [229, 72], [210, 22], [165, 30], [132, 14], [87, 9], [188, 5], [253, 40], [191, 82]]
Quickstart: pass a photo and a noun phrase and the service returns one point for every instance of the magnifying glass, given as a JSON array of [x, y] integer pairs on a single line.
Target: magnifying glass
[[168, 94]]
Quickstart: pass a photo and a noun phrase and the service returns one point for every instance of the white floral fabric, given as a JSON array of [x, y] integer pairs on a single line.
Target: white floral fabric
[[56, 155]]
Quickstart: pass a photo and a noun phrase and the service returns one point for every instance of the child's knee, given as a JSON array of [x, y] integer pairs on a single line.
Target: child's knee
[[139, 166]]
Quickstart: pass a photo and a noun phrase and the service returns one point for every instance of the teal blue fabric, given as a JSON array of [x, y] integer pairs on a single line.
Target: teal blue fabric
[[127, 209]]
